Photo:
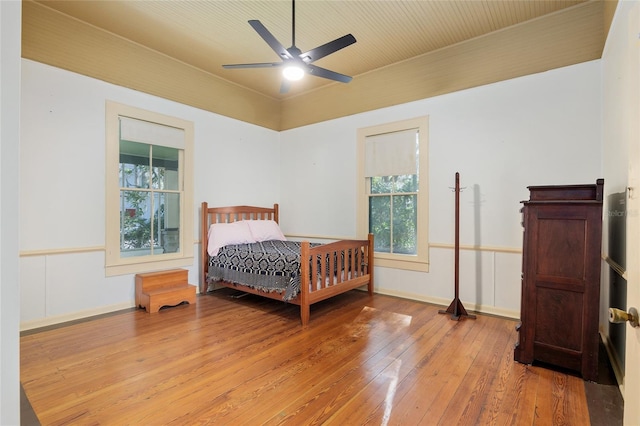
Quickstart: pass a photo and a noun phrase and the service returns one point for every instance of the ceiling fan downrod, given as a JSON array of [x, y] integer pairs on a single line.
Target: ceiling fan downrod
[[293, 23]]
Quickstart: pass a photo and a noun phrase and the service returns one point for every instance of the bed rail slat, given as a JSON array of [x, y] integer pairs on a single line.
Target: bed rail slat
[[338, 262]]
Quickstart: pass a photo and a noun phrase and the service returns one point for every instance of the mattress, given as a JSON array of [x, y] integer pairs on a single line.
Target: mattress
[[269, 266]]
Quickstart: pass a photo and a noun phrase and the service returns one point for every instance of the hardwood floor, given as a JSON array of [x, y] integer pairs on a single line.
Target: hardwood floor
[[362, 360]]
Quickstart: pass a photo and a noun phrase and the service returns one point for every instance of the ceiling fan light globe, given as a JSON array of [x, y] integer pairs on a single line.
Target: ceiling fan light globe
[[293, 73]]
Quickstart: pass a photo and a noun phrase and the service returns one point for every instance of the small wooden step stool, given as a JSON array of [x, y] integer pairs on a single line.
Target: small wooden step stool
[[165, 288]]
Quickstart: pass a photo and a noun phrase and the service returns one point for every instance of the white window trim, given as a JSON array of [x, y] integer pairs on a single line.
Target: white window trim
[[420, 261], [114, 264]]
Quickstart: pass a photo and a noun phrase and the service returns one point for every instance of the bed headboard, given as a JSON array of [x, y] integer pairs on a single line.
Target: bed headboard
[[212, 215]]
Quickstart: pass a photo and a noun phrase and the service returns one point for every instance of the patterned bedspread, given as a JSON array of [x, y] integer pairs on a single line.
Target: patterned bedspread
[[267, 266]]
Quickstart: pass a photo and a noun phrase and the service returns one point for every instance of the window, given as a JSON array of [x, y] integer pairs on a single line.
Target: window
[[392, 192], [149, 221]]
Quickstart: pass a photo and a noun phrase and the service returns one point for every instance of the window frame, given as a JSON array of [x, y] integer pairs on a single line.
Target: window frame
[[419, 261], [114, 263]]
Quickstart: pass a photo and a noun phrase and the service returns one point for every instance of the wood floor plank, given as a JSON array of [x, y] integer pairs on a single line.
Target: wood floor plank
[[509, 393], [358, 372], [362, 360], [414, 380], [419, 390], [459, 368], [560, 401], [246, 382], [469, 398], [382, 332], [577, 408]]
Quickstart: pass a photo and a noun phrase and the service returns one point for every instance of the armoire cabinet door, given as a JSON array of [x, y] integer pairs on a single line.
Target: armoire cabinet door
[[561, 283]]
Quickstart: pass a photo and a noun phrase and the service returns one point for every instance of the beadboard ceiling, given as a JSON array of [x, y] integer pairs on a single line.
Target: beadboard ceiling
[[205, 35]]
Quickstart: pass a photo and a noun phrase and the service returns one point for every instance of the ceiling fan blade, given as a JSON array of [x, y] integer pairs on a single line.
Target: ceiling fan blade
[[270, 39], [328, 48], [325, 73], [256, 65], [284, 87]]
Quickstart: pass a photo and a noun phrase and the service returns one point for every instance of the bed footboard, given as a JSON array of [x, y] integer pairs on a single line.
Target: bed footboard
[[333, 269]]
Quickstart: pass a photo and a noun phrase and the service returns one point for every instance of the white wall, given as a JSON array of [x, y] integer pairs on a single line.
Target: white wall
[[535, 130], [62, 188], [539, 129], [10, 19]]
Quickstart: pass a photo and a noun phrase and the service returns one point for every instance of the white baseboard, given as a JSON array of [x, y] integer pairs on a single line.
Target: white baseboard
[[614, 359], [58, 319], [484, 309]]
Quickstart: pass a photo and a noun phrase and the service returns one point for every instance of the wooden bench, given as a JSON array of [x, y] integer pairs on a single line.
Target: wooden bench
[[165, 288]]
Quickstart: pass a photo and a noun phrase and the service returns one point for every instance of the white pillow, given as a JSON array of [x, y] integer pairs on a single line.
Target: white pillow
[[224, 234], [265, 230]]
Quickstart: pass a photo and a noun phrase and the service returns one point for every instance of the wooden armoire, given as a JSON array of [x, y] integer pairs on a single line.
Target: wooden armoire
[[561, 277]]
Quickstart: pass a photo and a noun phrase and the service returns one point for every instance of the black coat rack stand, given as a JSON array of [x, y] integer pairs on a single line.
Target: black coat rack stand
[[456, 309]]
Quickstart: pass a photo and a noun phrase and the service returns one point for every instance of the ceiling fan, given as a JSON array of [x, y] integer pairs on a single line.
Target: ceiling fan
[[295, 62]]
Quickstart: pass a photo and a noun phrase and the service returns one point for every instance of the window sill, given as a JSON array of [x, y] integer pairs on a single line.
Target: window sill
[[409, 265], [156, 265]]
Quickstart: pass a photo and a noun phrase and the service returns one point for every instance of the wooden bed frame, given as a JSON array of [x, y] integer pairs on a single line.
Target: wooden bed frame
[[359, 261]]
